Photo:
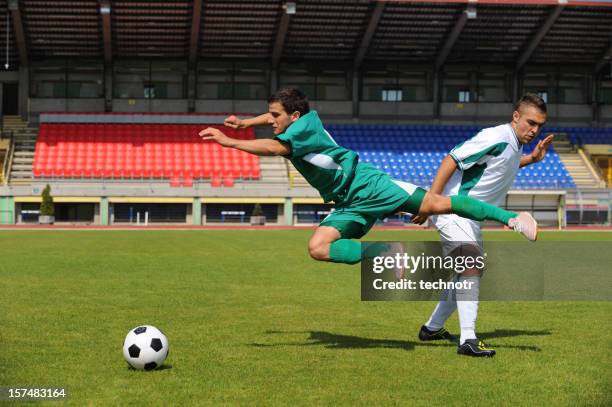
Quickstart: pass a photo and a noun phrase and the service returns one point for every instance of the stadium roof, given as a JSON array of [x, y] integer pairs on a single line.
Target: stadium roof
[[351, 32]]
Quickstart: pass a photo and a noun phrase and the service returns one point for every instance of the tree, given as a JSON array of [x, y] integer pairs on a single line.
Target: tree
[[46, 206], [257, 211], [257, 216]]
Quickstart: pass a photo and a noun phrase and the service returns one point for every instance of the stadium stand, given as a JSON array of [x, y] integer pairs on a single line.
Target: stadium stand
[[173, 151], [413, 153], [120, 151], [588, 135]]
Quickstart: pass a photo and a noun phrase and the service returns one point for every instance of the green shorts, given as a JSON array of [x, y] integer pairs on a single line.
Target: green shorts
[[372, 195]]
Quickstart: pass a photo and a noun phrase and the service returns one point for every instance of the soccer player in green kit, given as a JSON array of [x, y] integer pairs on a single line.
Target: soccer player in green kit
[[362, 194]]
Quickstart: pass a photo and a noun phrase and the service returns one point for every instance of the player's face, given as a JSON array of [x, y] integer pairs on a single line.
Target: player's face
[[279, 119], [527, 123]]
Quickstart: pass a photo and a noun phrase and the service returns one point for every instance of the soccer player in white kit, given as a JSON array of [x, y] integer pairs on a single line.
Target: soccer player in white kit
[[483, 167]]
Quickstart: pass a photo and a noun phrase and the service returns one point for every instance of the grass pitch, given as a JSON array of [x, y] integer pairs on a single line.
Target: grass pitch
[[252, 320]]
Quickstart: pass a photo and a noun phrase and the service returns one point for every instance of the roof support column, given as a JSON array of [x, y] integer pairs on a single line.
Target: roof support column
[[196, 21], [355, 79], [105, 14], [369, 34], [24, 90], [595, 89], [279, 44], [13, 6], [108, 88], [537, 38], [437, 91]]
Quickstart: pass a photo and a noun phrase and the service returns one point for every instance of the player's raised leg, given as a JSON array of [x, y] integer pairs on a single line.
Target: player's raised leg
[[467, 207]]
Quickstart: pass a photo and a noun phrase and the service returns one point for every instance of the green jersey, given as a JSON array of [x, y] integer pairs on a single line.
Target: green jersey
[[326, 166]]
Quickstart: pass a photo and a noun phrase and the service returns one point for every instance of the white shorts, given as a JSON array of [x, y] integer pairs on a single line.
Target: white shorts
[[455, 231]]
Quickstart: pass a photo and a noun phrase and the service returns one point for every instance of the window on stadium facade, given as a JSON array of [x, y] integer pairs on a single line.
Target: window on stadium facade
[[232, 80], [572, 87], [413, 85], [605, 95], [493, 87], [542, 84], [66, 79], [456, 86], [391, 95], [149, 80], [464, 96], [318, 83]]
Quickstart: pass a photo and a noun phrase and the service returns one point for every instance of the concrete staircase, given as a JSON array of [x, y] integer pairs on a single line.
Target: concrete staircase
[[273, 170], [296, 180], [24, 137], [577, 164]]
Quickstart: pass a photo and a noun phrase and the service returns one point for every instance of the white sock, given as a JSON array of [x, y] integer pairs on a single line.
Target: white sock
[[467, 307], [444, 309]]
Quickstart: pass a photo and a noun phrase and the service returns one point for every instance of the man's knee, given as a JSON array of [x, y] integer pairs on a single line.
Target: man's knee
[[434, 204], [318, 250], [471, 251]]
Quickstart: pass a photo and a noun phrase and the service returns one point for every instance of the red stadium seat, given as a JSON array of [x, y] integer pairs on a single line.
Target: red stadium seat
[[228, 182], [139, 151]]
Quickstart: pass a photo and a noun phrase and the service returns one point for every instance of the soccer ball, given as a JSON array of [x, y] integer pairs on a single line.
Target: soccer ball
[[145, 347]]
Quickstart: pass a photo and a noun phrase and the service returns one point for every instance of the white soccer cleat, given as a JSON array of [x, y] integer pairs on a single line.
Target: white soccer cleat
[[526, 225]]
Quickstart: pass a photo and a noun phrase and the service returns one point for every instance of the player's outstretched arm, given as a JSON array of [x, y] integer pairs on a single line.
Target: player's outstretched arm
[[538, 153], [261, 147], [235, 122]]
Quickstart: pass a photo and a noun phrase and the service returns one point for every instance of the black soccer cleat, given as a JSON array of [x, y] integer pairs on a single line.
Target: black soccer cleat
[[476, 348], [427, 334]]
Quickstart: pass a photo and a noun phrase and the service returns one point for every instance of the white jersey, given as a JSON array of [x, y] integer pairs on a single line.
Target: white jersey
[[486, 165], [486, 168]]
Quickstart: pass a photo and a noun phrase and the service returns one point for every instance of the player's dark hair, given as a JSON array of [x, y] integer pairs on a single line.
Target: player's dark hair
[[292, 99], [531, 99]]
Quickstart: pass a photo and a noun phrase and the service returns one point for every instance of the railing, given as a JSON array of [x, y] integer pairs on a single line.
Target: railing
[[8, 160]]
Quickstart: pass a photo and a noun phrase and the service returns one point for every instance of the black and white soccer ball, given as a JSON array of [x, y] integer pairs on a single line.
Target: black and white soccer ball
[[145, 347]]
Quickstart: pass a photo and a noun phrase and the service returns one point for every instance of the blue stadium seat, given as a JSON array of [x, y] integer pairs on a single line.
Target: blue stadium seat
[[413, 152]]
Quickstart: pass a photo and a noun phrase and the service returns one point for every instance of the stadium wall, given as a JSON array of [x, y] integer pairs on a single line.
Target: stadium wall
[[575, 95], [15, 201], [337, 111]]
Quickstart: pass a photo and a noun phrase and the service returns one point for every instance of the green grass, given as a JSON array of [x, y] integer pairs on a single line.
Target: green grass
[[252, 320]]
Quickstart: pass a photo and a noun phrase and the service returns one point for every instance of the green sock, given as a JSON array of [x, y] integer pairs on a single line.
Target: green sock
[[474, 209], [345, 251]]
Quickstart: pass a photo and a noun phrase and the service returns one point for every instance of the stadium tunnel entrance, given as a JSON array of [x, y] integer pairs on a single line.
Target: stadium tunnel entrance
[[238, 213], [152, 212], [310, 214], [66, 212]]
